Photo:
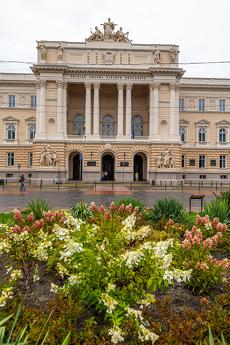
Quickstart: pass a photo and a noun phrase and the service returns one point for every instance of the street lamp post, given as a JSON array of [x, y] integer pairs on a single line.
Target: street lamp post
[[124, 167]]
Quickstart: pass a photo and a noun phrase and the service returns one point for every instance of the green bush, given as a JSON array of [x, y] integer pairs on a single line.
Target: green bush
[[81, 210], [6, 218], [218, 208], [165, 209], [225, 196], [37, 207], [130, 201]]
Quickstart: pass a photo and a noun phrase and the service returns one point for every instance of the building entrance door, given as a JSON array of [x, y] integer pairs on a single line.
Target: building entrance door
[[138, 168], [107, 168], [77, 167]]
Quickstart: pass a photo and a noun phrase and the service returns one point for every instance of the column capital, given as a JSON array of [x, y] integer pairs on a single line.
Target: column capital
[[88, 85], [64, 84], [154, 86], [41, 83], [120, 86], [129, 86], [59, 83], [172, 85], [96, 86]]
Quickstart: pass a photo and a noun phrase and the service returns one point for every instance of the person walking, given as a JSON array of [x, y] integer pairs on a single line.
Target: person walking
[[22, 183]]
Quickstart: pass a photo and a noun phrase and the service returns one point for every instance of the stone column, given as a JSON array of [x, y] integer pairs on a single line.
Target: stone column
[[154, 113], [174, 135], [88, 109], [96, 120], [37, 110], [128, 110], [120, 110], [42, 110], [59, 109], [64, 109]]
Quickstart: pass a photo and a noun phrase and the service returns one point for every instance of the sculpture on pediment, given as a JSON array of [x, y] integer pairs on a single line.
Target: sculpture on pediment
[[109, 33], [48, 157], [108, 58], [42, 48], [60, 50], [173, 54], [97, 35], [165, 159], [156, 56]]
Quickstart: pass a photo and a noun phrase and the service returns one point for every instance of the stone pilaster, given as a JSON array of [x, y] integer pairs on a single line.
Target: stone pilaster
[[64, 109], [88, 109], [120, 110], [154, 114], [41, 114], [128, 110], [96, 120], [60, 130]]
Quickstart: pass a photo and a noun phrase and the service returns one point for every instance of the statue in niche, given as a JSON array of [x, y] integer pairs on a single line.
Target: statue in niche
[[60, 50], [42, 48], [156, 56], [173, 54], [97, 35], [166, 159], [120, 36], [48, 157]]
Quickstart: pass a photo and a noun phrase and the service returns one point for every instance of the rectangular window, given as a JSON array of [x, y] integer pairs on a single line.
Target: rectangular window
[[10, 159], [223, 177], [33, 101], [201, 161], [182, 161], [213, 162], [181, 104], [222, 105], [192, 162], [8, 175], [201, 104], [30, 159], [30, 175], [222, 161], [11, 102], [203, 177]]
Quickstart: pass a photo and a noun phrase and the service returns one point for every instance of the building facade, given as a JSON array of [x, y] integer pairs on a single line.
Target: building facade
[[108, 109]]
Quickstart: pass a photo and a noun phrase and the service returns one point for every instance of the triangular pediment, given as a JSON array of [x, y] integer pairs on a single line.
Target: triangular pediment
[[223, 123], [202, 122], [30, 119], [183, 122], [10, 119]]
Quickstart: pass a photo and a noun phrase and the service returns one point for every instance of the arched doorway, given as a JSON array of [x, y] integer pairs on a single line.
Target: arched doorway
[[75, 166], [107, 167], [140, 167]]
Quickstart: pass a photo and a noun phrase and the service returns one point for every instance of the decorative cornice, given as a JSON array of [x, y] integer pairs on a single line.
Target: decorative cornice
[[30, 119], [10, 119]]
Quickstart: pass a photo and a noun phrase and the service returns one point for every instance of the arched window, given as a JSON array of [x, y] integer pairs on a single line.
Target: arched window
[[202, 134], [108, 126], [11, 131], [31, 131], [137, 126], [79, 124], [222, 135], [182, 134]]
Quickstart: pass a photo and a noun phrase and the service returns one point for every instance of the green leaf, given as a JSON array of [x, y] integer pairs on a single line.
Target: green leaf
[[66, 340]]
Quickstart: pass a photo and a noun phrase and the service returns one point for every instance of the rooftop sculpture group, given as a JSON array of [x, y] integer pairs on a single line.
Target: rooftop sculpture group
[[109, 34]]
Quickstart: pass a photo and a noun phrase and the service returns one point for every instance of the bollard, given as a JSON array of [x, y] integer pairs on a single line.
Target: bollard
[[199, 185], [165, 185]]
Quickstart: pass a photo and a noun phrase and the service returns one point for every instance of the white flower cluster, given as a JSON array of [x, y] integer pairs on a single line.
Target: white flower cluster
[[129, 222], [54, 288], [166, 261], [109, 302], [145, 335], [41, 251], [71, 247], [178, 275], [140, 234], [161, 248], [147, 246], [74, 222], [117, 335], [134, 312], [61, 233], [7, 293], [62, 270], [111, 287], [74, 279], [15, 274], [132, 258], [4, 247], [147, 301]]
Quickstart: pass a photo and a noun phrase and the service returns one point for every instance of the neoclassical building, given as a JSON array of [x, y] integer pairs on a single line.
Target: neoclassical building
[[109, 109]]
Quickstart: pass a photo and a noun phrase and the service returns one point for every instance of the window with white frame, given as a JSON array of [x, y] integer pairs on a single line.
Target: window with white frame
[[201, 104], [10, 159], [31, 131], [181, 104], [79, 124], [202, 161], [11, 101], [137, 126], [33, 101], [182, 131], [11, 131], [222, 105], [222, 135], [202, 134], [108, 126], [223, 161]]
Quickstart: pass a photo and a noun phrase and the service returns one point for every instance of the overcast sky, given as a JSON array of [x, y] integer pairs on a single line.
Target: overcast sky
[[201, 28]]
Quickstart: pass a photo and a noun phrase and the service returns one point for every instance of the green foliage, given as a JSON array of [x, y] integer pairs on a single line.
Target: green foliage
[[81, 210], [6, 218], [218, 208], [211, 339], [37, 207], [165, 209], [130, 201], [225, 196]]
